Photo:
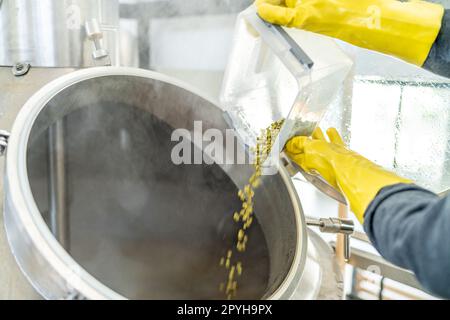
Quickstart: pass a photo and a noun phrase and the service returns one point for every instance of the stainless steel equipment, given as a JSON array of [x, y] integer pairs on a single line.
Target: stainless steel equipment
[[15, 92], [53, 33], [130, 224]]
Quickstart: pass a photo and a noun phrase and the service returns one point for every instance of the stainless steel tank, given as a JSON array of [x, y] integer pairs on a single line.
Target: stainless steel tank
[[58, 33], [94, 207]]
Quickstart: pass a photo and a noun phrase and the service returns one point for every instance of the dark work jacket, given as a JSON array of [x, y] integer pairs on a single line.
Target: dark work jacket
[[438, 60], [410, 227]]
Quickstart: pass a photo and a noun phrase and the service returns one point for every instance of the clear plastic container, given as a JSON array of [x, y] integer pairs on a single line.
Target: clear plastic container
[[278, 73]]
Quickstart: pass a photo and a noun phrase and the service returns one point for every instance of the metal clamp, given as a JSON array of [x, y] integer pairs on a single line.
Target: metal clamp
[[20, 69], [73, 295], [4, 137], [335, 225], [95, 34]]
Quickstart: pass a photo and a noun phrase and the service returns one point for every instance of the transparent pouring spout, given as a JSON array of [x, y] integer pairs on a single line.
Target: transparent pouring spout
[[276, 73]]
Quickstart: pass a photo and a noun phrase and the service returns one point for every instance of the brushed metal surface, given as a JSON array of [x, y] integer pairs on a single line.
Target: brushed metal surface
[[15, 92], [51, 33]]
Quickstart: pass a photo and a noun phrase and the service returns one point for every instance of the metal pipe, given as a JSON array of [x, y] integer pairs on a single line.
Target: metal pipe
[[343, 227], [374, 263], [346, 247], [59, 217], [313, 222]]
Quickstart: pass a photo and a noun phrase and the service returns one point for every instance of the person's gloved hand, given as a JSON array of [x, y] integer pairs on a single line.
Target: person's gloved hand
[[356, 177], [406, 30]]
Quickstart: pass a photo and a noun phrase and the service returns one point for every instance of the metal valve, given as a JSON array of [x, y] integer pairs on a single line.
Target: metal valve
[[335, 225], [95, 34]]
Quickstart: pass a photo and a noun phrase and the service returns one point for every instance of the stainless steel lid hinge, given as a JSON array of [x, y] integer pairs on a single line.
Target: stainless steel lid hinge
[[4, 138], [20, 69]]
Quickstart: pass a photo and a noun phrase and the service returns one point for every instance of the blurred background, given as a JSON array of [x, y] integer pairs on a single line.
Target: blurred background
[[180, 38]]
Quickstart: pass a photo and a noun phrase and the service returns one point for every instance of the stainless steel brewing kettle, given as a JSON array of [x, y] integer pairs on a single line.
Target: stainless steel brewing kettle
[[95, 209]]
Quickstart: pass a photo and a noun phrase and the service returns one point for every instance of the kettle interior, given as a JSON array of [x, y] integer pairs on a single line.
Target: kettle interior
[[100, 171]]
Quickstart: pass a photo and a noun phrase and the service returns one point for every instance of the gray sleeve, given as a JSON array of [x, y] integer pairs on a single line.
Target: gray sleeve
[[410, 227], [438, 60]]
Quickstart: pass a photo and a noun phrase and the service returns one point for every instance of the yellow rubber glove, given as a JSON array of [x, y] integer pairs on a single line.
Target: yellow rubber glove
[[406, 30], [356, 177]]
